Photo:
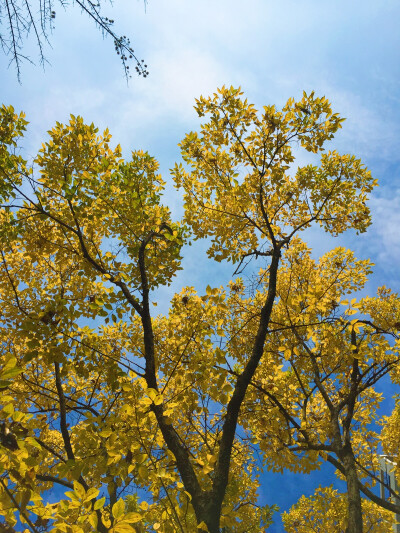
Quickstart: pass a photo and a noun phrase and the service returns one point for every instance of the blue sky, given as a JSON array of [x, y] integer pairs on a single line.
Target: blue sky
[[347, 51]]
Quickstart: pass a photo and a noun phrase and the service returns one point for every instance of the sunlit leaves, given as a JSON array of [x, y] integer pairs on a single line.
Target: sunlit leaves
[[326, 511], [239, 184], [129, 414], [12, 166]]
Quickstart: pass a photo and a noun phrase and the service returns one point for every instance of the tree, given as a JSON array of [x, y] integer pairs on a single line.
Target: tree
[[323, 406], [157, 421], [19, 18], [325, 512]]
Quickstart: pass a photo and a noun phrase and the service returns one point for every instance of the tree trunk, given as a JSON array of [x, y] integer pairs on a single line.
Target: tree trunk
[[213, 524], [355, 522], [209, 513]]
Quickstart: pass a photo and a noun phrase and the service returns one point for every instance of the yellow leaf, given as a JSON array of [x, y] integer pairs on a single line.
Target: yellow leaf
[[122, 527], [158, 400], [146, 401], [79, 490], [133, 517], [151, 393], [99, 503], [143, 472], [91, 494], [144, 505], [92, 519], [118, 508]]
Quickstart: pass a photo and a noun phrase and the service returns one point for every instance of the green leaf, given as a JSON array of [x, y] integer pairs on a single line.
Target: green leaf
[[4, 384], [26, 496], [32, 354]]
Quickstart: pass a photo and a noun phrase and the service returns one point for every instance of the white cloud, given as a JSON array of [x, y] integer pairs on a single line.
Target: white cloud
[[384, 235]]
